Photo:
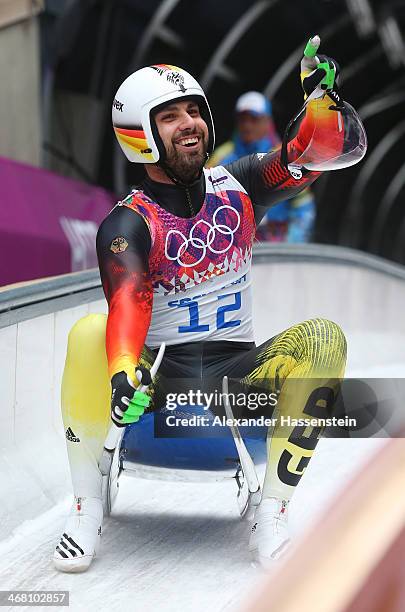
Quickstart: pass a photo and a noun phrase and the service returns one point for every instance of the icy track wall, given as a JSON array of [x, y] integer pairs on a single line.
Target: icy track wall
[[290, 283], [33, 337]]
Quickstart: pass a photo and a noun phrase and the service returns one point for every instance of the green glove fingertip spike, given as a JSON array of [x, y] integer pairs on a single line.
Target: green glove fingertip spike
[[140, 398], [134, 410], [311, 48], [136, 407], [128, 419], [329, 80]]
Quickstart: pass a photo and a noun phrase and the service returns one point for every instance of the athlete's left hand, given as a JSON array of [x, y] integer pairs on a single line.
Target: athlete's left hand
[[317, 70]]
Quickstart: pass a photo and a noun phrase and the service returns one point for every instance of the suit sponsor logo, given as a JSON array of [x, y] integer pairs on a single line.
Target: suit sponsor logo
[[119, 245], [71, 436], [216, 181], [296, 173]]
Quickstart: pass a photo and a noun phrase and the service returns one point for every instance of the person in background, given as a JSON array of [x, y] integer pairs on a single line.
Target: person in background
[[290, 220]]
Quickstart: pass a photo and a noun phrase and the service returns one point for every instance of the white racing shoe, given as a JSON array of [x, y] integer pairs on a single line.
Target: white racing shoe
[[81, 537], [269, 538]]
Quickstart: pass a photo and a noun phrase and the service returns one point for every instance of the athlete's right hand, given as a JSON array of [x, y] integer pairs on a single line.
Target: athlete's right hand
[[127, 404]]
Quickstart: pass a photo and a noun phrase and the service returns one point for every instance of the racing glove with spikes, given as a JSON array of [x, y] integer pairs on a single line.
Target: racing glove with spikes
[[317, 71], [128, 402]]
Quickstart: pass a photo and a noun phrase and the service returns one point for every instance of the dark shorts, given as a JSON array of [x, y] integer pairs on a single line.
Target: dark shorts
[[202, 366], [316, 347]]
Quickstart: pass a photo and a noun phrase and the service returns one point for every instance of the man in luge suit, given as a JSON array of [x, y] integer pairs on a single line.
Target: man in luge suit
[[175, 263]]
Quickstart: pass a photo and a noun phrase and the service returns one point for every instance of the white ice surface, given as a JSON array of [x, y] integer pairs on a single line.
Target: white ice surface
[[180, 547], [170, 547]]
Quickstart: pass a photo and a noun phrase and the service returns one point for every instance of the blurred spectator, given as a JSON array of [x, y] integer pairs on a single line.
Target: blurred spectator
[[290, 220]]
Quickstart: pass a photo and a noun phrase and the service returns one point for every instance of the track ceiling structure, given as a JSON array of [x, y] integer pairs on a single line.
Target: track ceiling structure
[[231, 47]]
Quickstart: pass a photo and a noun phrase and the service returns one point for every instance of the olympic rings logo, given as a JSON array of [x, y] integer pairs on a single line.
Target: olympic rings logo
[[213, 230]]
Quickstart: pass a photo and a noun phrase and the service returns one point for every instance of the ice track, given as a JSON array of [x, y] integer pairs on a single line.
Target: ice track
[[171, 547]]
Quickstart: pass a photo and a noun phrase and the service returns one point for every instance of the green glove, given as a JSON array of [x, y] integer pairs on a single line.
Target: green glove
[[317, 70], [136, 407], [127, 404]]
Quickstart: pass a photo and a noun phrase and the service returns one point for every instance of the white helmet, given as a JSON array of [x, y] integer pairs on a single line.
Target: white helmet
[[143, 92]]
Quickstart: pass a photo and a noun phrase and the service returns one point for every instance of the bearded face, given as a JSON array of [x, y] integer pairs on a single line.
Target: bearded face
[[185, 136], [187, 163]]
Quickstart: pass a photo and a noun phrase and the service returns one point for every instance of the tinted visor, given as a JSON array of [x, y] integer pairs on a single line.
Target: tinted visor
[[338, 143]]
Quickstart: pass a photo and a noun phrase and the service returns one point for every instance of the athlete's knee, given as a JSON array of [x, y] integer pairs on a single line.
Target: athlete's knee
[[326, 342], [332, 335], [87, 333]]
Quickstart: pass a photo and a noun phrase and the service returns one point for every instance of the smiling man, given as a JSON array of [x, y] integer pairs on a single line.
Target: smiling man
[[175, 263], [184, 134]]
